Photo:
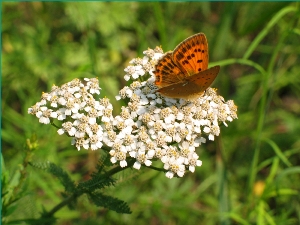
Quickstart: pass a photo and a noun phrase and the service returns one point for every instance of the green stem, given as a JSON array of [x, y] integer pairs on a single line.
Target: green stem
[[119, 169], [266, 98], [65, 202], [265, 31], [240, 61], [155, 168], [23, 172]]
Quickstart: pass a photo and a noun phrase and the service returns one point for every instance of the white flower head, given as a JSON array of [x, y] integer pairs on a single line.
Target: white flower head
[[149, 127]]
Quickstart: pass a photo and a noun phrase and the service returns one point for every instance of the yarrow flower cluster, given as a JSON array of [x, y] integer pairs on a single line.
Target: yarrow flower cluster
[[80, 114], [149, 128]]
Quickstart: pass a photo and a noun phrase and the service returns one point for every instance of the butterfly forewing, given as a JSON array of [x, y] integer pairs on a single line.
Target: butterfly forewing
[[192, 54], [166, 72]]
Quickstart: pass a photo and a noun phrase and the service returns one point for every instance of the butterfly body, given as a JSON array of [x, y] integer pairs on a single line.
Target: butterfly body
[[183, 73]]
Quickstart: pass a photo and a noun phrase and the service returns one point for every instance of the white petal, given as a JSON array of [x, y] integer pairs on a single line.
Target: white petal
[[199, 163], [148, 163], [137, 165], [113, 159], [206, 129], [60, 131], [192, 169], [123, 163], [126, 77], [180, 173], [169, 174], [211, 137]]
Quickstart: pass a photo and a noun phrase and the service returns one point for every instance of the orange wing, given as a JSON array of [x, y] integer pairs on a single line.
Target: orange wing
[[166, 72], [193, 86], [191, 55]]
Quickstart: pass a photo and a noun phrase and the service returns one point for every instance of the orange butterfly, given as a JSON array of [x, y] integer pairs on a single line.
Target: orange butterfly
[[183, 73]]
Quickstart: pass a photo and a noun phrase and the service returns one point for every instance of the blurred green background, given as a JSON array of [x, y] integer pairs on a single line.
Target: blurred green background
[[250, 174]]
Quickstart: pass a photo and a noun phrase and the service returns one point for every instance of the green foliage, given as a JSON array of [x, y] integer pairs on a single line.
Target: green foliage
[[109, 202], [57, 172], [93, 188], [17, 201], [96, 182], [250, 176]]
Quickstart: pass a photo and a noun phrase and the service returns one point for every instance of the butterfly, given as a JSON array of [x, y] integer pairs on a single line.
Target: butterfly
[[184, 72]]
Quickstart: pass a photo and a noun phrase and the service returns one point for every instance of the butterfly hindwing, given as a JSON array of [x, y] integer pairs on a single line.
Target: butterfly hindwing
[[175, 90], [193, 86], [191, 55], [204, 78]]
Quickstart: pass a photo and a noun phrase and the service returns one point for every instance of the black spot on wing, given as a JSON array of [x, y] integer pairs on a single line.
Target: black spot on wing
[[170, 65], [188, 46], [179, 56]]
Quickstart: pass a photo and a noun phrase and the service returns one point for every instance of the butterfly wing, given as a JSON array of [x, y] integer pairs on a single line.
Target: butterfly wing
[[191, 55], [193, 86], [166, 72], [204, 78]]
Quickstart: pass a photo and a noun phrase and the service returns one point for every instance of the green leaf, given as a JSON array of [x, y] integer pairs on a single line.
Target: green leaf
[[98, 181], [59, 173], [109, 202]]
